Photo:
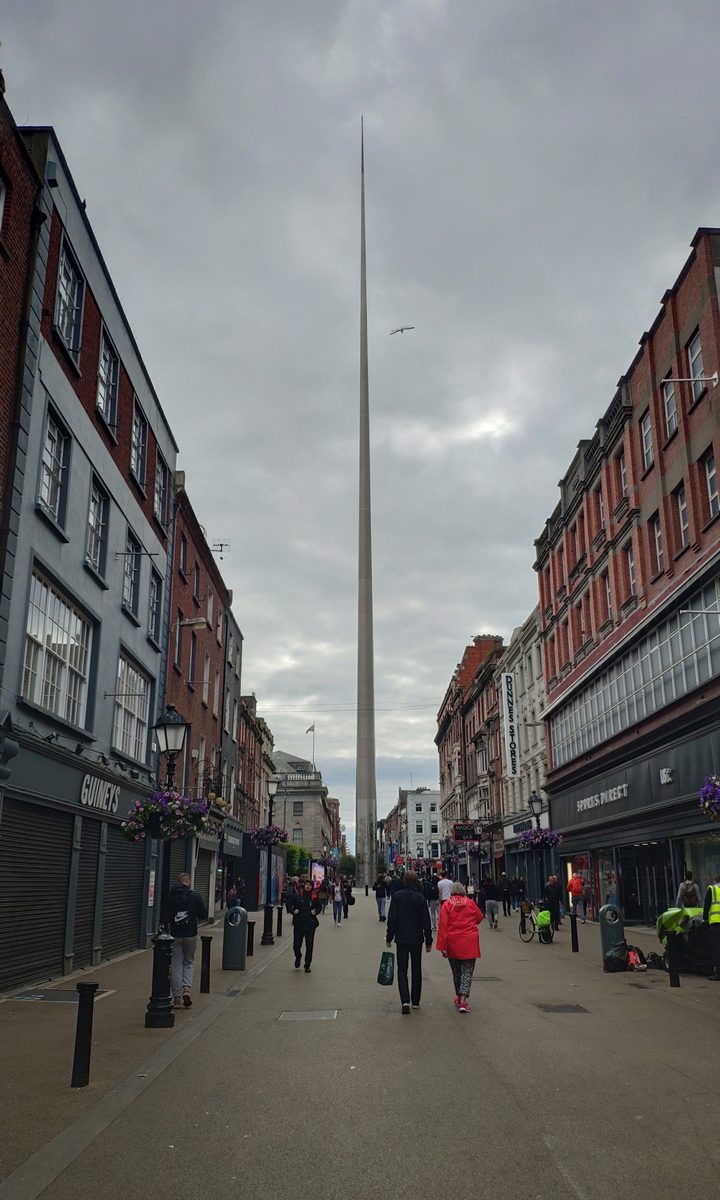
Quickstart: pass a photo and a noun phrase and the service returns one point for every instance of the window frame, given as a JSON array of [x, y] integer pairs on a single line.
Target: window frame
[[57, 517], [630, 568], [697, 386], [712, 498], [73, 346], [682, 515], [192, 660], [669, 396], [138, 731], [161, 498], [133, 548], [110, 419], [36, 667], [99, 567], [140, 476], [183, 555], [154, 631], [656, 543], [646, 440]]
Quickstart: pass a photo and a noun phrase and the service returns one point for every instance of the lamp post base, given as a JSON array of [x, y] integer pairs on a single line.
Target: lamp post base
[[160, 1013], [267, 937]]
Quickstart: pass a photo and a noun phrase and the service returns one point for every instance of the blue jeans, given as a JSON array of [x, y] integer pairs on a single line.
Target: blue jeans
[[380, 901], [337, 910]]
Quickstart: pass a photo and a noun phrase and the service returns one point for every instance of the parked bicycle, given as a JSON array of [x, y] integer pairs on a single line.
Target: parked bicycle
[[535, 919]]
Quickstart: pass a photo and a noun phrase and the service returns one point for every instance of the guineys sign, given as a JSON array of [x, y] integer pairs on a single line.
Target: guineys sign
[[99, 793]]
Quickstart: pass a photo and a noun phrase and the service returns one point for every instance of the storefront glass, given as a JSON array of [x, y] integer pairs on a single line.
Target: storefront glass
[[605, 877], [701, 855]]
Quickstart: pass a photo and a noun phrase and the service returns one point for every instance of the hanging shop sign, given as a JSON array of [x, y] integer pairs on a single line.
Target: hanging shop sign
[[512, 742], [466, 831]]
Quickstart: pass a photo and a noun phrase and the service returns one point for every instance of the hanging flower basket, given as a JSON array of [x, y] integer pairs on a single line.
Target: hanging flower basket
[[267, 835], [709, 797], [165, 815], [540, 839]]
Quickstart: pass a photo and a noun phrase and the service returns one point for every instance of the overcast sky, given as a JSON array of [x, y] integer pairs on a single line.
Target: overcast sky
[[535, 173]]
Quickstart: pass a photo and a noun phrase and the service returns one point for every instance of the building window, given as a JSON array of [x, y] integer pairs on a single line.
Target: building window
[[160, 502], [682, 516], [210, 603], [182, 563], [131, 574], [420, 849], [54, 469], [433, 807], [670, 405], [656, 545], [130, 723], [226, 711], [155, 607], [434, 827], [69, 306], [193, 657], [230, 650], [96, 541], [234, 730], [297, 837], [630, 568], [107, 388], [646, 438], [220, 624], [419, 827], [202, 750], [607, 594], [57, 653], [711, 484], [297, 808], [138, 445], [622, 474], [206, 680], [599, 506], [418, 808], [695, 364], [216, 694], [178, 640], [196, 583]]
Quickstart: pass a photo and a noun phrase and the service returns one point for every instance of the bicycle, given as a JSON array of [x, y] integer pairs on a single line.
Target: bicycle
[[529, 924]]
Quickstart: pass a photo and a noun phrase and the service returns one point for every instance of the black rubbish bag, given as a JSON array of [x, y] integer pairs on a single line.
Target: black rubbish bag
[[386, 972], [616, 958]]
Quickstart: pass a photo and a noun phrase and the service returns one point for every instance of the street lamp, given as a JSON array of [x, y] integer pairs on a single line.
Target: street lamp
[[267, 937], [536, 807], [170, 732]]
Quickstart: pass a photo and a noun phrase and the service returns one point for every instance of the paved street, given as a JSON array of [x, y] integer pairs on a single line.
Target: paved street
[[615, 1101]]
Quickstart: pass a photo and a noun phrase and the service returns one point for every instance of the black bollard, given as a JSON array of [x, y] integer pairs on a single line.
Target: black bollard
[[279, 921], [573, 933], [251, 939], [672, 957], [206, 939], [367, 890], [83, 1035]]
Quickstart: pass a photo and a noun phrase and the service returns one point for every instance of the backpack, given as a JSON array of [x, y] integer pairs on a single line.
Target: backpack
[[689, 895]]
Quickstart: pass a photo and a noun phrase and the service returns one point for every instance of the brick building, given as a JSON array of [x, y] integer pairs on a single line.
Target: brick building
[[629, 578]]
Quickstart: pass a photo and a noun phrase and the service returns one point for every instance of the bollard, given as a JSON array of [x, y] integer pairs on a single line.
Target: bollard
[[83, 1035], [251, 939], [367, 890], [672, 957], [205, 965], [573, 933], [279, 921]]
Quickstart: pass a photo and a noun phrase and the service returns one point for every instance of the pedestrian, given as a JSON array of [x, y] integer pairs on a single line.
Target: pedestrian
[[380, 888], [291, 894], [323, 895], [587, 899], [396, 884], [711, 917], [186, 906], [576, 892], [493, 894], [444, 887], [459, 941], [505, 892], [470, 887], [409, 926], [552, 895], [521, 889], [514, 896], [305, 921], [347, 893], [688, 893], [337, 903], [431, 894]]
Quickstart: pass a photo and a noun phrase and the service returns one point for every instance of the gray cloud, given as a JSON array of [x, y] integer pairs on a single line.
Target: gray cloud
[[535, 173]]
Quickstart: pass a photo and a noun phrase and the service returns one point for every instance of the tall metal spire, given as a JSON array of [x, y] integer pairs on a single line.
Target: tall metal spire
[[365, 785]]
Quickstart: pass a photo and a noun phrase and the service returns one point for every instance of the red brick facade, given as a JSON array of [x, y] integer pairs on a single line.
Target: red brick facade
[[198, 656]]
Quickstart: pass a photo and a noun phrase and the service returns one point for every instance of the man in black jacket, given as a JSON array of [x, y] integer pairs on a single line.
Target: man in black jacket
[[305, 909], [552, 895], [186, 906], [409, 925]]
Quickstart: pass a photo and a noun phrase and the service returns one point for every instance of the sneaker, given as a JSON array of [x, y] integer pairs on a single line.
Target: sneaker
[[406, 1010], [187, 1000], [416, 1005], [307, 970], [297, 962], [177, 1002], [463, 1008]]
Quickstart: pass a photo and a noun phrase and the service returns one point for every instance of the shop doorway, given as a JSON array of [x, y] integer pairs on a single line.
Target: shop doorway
[[644, 877]]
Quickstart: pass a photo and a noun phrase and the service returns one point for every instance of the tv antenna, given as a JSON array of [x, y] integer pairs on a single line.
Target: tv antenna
[[219, 546]]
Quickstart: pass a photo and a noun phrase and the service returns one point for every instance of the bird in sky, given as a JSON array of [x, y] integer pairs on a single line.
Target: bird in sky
[[401, 329]]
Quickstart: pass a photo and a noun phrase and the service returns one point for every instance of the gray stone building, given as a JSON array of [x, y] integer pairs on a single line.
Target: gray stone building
[[301, 804]]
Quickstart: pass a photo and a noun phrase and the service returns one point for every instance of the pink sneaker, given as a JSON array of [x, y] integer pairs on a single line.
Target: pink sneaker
[[456, 1000], [463, 1008]]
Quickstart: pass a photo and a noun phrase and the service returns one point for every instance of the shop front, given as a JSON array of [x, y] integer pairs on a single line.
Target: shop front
[[73, 891], [632, 832], [207, 858], [532, 866], [229, 870]]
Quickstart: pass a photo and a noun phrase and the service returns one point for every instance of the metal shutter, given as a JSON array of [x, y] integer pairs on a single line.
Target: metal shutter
[[122, 902], [202, 875], [178, 859], [35, 852], [86, 888]]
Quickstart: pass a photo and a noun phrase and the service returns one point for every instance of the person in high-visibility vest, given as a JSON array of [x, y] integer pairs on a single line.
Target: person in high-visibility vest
[[711, 915]]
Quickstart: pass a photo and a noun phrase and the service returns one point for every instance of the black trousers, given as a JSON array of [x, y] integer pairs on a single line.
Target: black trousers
[[411, 952], [507, 904], [346, 906], [308, 936]]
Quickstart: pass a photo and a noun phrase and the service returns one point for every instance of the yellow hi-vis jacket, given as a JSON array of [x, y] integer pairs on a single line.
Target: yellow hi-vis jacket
[[714, 913]]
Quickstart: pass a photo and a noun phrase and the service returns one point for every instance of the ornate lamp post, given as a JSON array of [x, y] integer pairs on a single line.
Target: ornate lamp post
[[536, 807], [170, 732], [267, 937]]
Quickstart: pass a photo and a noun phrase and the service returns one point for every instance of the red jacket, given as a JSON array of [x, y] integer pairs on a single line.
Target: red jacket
[[458, 934]]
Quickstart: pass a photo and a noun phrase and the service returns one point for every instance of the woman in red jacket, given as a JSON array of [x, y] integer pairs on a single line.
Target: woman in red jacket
[[459, 941]]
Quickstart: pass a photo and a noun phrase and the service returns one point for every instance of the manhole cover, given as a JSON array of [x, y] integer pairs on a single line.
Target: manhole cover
[[562, 1008], [55, 996], [320, 1014]]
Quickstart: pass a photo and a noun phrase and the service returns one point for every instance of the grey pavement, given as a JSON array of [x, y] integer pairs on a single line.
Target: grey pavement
[[615, 1101]]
